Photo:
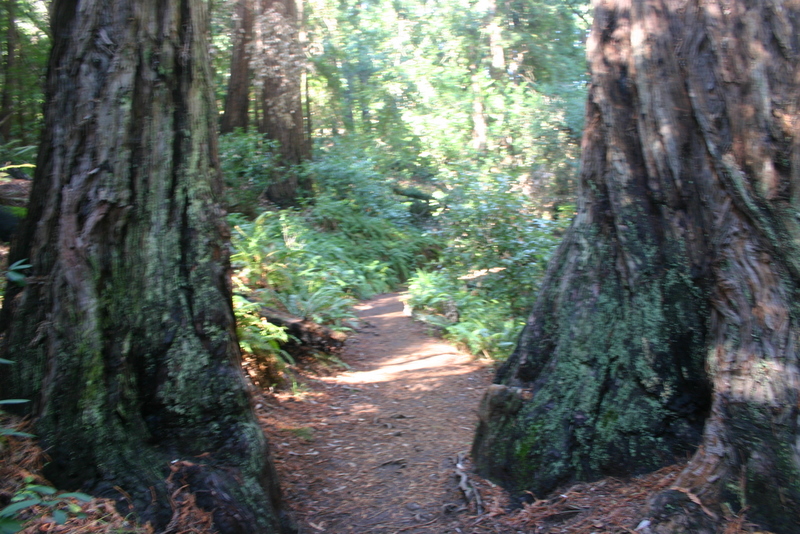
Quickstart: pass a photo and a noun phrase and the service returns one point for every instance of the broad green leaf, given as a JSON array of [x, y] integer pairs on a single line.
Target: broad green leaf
[[9, 526], [16, 277], [15, 433], [20, 264], [12, 509], [76, 495], [41, 490], [60, 517]]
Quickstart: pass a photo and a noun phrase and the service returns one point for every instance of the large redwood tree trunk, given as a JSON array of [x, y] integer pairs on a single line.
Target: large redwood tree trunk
[[124, 335], [669, 318]]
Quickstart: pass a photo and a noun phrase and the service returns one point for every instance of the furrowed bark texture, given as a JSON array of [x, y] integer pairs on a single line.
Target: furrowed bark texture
[[669, 316], [124, 335], [6, 99], [279, 66], [237, 100]]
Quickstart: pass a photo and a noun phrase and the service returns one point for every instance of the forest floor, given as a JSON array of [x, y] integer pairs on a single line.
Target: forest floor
[[374, 448], [382, 447]]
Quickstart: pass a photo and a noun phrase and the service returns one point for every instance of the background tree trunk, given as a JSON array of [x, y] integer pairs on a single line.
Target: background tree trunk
[[278, 75], [6, 100], [669, 316], [237, 99], [124, 335]]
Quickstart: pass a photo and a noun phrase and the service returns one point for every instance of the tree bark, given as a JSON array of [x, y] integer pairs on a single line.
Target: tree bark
[[278, 74], [237, 100], [124, 335], [668, 321], [480, 130], [6, 100]]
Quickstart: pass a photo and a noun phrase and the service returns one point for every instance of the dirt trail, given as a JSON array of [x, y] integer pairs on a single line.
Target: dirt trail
[[373, 449]]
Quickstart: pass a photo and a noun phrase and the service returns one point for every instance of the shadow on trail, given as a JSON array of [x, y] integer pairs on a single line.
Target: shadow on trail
[[382, 437]]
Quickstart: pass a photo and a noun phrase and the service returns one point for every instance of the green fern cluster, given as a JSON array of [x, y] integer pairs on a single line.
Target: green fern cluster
[[482, 325], [491, 266], [353, 242]]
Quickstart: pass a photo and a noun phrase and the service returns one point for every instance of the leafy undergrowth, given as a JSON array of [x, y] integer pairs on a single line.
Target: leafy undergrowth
[[29, 504], [356, 239], [484, 282], [473, 252]]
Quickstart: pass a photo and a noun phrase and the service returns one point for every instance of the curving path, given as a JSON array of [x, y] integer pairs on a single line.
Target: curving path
[[373, 449]]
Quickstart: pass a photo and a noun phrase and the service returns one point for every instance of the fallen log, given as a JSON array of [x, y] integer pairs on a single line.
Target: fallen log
[[307, 337]]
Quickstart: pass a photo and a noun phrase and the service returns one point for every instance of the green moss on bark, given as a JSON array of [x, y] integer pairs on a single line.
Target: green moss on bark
[[614, 380], [125, 337]]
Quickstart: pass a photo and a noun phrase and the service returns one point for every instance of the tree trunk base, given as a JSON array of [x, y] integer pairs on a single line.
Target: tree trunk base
[[201, 494], [676, 512]]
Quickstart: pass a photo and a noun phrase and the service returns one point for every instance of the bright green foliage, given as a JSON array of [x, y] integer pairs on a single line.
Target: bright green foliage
[[313, 262], [407, 77], [349, 173], [491, 268], [249, 165], [354, 241], [357, 240], [482, 325], [258, 336], [495, 238], [324, 305]]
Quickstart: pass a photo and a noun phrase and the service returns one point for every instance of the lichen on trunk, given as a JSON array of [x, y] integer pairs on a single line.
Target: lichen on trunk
[[124, 335], [668, 320]]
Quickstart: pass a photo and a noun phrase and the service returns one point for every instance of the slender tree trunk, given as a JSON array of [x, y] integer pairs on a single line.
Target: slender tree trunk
[[6, 100], [669, 317], [309, 123], [304, 85], [349, 116], [124, 335], [237, 100], [480, 130], [494, 30], [364, 73]]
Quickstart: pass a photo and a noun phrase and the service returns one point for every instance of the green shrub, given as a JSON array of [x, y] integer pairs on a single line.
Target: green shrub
[[58, 506], [481, 325], [257, 335], [352, 242], [10, 430], [493, 235], [345, 172], [490, 269], [248, 166]]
